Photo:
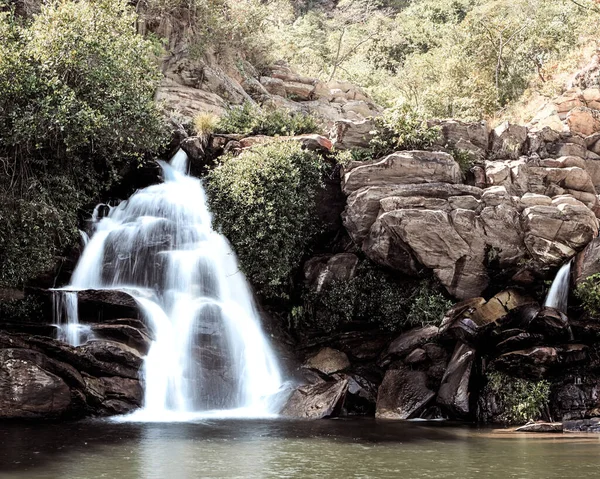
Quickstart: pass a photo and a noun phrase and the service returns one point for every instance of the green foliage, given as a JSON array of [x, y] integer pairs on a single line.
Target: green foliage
[[401, 128], [446, 58], [21, 309], [249, 119], [264, 203], [376, 296], [588, 291], [345, 157], [465, 159], [521, 400], [76, 107]]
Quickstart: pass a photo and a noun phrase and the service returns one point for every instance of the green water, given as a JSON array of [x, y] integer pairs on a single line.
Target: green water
[[288, 449]]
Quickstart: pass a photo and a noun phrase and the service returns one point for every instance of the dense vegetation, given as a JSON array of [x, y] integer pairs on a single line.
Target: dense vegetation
[[76, 107], [460, 58], [264, 202], [588, 291], [519, 400], [372, 296]]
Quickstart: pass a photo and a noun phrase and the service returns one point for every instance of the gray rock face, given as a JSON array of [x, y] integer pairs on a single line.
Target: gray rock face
[[459, 135], [407, 342], [316, 401], [403, 394]]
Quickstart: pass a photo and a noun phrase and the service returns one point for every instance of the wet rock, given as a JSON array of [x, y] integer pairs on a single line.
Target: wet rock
[[457, 322], [533, 363], [587, 262], [548, 427], [551, 323], [137, 337], [403, 394], [583, 425], [417, 356], [407, 342], [328, 361], [322, 270], [103, 305], [407, 167], [520, 340], [27, 390], [113, 352], [572, 353], [454, 391], [316, 401]]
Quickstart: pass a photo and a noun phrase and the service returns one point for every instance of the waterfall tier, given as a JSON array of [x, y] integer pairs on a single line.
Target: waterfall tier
[[209, 351]]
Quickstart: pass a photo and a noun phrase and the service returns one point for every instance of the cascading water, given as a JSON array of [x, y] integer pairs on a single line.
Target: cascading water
[[558, 295], [209, 351]]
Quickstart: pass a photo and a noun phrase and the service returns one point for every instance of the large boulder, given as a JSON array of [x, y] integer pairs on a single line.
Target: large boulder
[[328, 361], [316, 401], [407, 167], [508, 140], [532, 363], [347, 134], [583, 121], [407, 342], [463, 136], [403, 394], [587, 262]]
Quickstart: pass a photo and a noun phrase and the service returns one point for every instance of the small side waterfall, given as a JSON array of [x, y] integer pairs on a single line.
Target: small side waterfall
[[558, 295], [209, 353]]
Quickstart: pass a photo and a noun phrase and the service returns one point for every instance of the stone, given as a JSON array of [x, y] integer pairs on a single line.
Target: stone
[[551, 323], [29, 391], [403, 394], [454, 391], [582, 425], [188, 102], [328, 361], [533, 363], [457, 322], [507, 140], [584, 121], [407, 167], [548, 427], [407, 342], [132, 333], [298, 91], [587, 262], [322, 270], [347, 134], [459, 135], [572, 98], [316, 401], [417, 356], [273, 85]]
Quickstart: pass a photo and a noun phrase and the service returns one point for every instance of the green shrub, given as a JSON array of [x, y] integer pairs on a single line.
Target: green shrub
[[249, 119], [519, 400], [374, 296], [77, 86], [264, 203], [588, 292], [401, 128], [465, 159]]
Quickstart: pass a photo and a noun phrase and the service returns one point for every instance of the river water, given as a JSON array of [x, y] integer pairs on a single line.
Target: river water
[[288, 449]]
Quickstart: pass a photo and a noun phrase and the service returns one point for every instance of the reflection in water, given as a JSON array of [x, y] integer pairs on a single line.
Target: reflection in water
[[282, 449]]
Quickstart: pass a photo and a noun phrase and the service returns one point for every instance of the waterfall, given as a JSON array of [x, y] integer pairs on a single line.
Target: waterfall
[[558, 295], [209, 352]]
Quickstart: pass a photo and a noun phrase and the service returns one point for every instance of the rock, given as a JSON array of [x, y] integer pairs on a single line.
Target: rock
[[316, 401], [587, 262], [322, 270], [548, 427], [583, 121], [130, 332], [27, 390], [532, 363], [347, 134], [417, 356], [407, 342], [407, 167], [274, 86], [187, 101], [508, 141], [583, 425], [454, 391], [459, 135], [457, 322], [328, 361], [572, 98], [403, 394], [102, 305], [551, 323]]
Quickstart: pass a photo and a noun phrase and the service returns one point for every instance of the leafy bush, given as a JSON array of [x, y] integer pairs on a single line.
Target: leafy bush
[[249, 119], [465, 159], [374, 296], [401, 128], [264, 203], [519, 400], [76, 107], [588, 291]]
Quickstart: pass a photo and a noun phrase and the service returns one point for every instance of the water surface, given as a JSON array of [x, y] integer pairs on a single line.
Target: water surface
[[288, 449]]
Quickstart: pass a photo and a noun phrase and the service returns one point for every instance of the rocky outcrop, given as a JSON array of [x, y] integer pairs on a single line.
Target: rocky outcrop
[[42, 378], [403, 394], [316, 401]]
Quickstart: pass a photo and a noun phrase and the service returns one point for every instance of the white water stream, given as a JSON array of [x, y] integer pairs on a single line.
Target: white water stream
[[209, 356], [558, 295]]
